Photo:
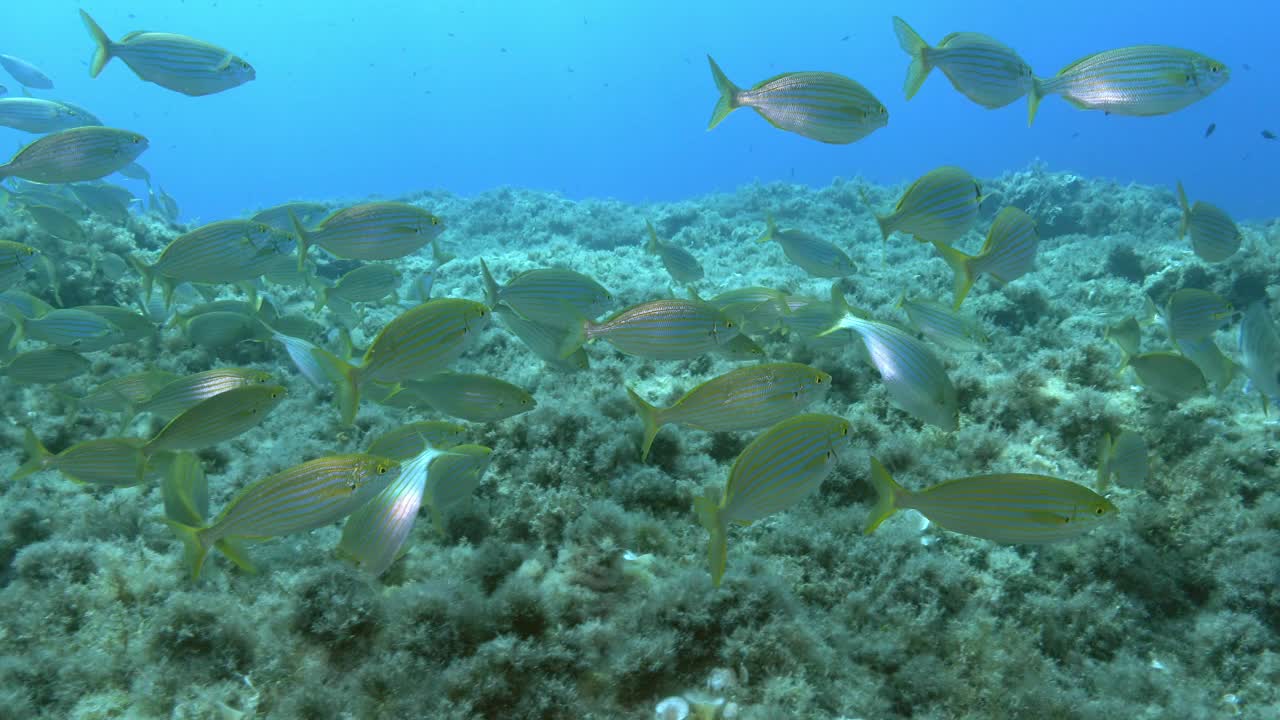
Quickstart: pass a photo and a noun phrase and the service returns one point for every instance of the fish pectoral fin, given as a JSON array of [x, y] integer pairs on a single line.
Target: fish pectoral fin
[[224, 63], [1048, 518]]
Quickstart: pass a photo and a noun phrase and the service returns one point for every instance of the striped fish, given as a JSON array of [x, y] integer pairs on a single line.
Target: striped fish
[[1008, 253], [940, 206], [188, 391], [419, 342], [821, 106], [371, 231], [543, 340], [820, 258], [1168, 375], [550, 296], [36, 115], [755, 309], [304, 497], [943, 325], [184, 489], [1127, 335], [24, 72], [309, 215], [982, 68], [134, 325], [126, 392], [73, 328], [1192, 314], [474, 398], [46, 366], [1139, 80], [406, 441], [681, 265], [781, 467], [1010, 508], [1259, 347], [1123, 457], [1218, 369], [112, 462], [111, 202], [226, 251], [15, 260], [75, 155], [374, 535], [670, 329], [1214, 235], [175, 62], [18, 303], [367, 283], [217, 419], [57, 223], [453, 477], [913, 376], [744, 399], [222, 329], [741, 347]]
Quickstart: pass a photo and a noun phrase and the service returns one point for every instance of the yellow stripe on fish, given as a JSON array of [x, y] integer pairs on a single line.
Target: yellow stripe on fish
[[217, 419], [940, 206]]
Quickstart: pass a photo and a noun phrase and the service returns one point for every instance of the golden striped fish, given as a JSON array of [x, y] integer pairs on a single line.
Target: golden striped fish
[[111, 462], [1138, 80], [367, 283], [670, 329], [1168, 375], [982, 68], [466, 396], [1008, 253], [371, 231], [744, 399], [226, 251], [409, 440], [304, 497], [681, 265], [1214, 235], [37, 115], [820, 258], [1192, 314], [75, 155], [1009, 508], [550, 296], [1123, 457], [821, 106], [781, 467], [187, 391], [175, 62], [940, 206], [217, 419], [46, 366], [1259, 346]]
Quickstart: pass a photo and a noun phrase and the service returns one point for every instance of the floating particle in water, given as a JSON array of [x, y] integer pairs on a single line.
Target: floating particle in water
[[1209, 130], [1268, 135]]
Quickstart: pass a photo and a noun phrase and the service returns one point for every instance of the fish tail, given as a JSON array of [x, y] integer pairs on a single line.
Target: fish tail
[[962, 264], [102, 53], [770, 229], [887, 494], [718, 547], [579, 333], [322, 298], [346, 381], [728, 101], [439, 256], [492, 290], [650, 416], [194, 549], [304, 239], [39, 455], [148, 274], [915, 46], [235, 552], [651, 246], [1034, 94], [1186, 211]]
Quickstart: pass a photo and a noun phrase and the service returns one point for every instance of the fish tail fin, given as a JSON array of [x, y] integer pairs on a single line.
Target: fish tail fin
[[770, 229], [39, 455], [439, 256], [650, 416], [962, 265], [915, 46], [708, 510], [492, 290], [322, 297], [304, 239], [102, 53], [194, 549], [728, 101], [1186, 211], [1035, 94], [235, 552], [346, 381], [146, 272], [1104, 462], [840, 311], [887, 494], [651, 246], [579, 333]]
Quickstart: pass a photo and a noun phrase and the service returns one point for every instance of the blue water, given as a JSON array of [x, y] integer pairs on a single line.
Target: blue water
[[612, 99]]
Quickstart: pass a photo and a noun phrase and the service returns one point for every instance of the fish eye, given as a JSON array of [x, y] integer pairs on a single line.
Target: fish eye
[[382, 469], [844, 430], [435, 220], [1098, 511], [818, 379]]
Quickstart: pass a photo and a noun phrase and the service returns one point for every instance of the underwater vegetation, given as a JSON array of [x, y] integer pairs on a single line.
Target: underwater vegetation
[[961, 448]]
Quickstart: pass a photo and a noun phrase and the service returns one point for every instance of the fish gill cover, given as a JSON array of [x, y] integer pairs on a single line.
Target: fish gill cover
[[404, 361]]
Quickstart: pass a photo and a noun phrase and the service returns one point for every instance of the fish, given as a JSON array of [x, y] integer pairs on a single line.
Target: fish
[[163, 204], [109, 462], [371, 231], [57, 223], [46, 366], [174, 62], [367, 283], [913, 376], [1141, 80], [1123, 457], [740, 347], [755, 309], [15, 260], [190, 390], [1214, 235], [1127, 335], [452, 478], [668, 329], [817, 257], [134, 171], [943, 325], [1193, 314], [302, 498], [135, 326], [1209, 130], [109, 201], [40, 116], [1007, 508], [217, 419], [1259, 347], [124, 393], [73, 329], [980, 67], [25, 73], [939, 206], [747, 398], [470, 397], [821, 106], [309, 214], [222, 329], [1008, 253], [184, 489], [543, 340], [1168, 375], [406, 441], [550, 296], [1218, 369], [227, 251], [782, 466], [417, 343], [18, 304], [75, 155], [1268, 135], [374, 535], [681, 265]]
